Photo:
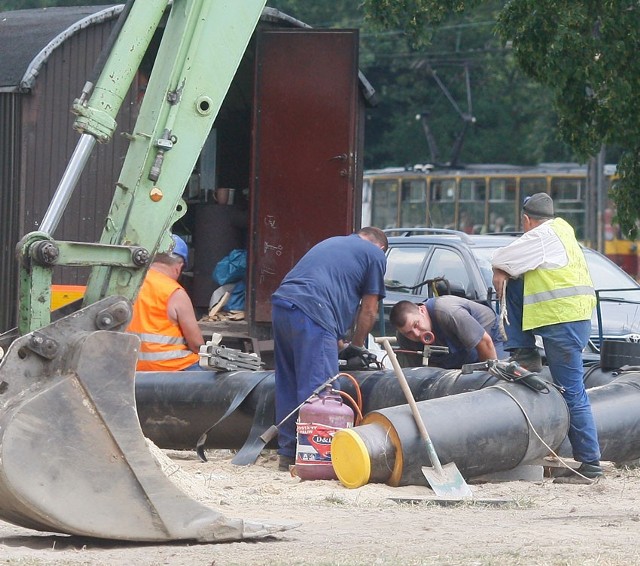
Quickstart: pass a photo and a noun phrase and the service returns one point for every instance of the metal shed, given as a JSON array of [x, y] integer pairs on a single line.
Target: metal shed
[[288, 138]]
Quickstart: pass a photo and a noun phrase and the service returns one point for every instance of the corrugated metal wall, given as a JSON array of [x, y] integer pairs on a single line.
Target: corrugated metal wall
[[51, 140], [9, 211], [43, 141]]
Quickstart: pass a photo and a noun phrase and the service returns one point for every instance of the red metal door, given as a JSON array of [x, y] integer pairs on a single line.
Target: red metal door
[[304, 151]]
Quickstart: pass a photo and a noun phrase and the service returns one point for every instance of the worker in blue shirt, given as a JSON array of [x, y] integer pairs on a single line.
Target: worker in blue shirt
[[337, 282]]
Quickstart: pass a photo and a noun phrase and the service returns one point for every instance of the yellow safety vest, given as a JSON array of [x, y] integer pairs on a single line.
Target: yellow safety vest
[[564, 294], [163, 346]]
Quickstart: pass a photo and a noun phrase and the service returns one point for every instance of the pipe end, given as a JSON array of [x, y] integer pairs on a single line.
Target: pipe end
[[350, 459]]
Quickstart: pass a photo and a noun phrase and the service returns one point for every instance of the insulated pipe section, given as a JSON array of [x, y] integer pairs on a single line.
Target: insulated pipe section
[[616, 410], [595, 376], [175, 412], [380, 389], [483, 432]]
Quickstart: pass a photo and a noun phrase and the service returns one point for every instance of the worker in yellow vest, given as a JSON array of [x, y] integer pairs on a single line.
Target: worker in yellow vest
[[550, 294], [163, 316]]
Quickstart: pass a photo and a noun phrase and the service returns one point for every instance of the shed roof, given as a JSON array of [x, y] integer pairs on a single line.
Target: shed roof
[[31, 35]]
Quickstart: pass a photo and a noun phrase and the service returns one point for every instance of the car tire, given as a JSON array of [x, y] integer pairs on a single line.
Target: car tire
[[615, 354]]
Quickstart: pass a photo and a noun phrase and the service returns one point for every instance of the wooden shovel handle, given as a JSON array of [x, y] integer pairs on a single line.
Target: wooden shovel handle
[[435, 461]]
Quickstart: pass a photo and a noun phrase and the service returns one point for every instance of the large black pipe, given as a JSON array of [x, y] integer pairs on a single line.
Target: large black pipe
[[482, 432], [616, 410], [595, 376], [176, 408]]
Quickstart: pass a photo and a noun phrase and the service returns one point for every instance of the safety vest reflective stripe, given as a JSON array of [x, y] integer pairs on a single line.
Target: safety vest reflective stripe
[[160, 338], [564, 294], [163, 346], [559, 294], [158, 356]]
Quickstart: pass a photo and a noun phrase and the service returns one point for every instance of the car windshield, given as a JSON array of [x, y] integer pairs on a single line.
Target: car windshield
[[607, 275], [483, 255]]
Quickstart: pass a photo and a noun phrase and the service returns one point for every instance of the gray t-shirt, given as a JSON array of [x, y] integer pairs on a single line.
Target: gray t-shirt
[[458, 324], [464, 322]]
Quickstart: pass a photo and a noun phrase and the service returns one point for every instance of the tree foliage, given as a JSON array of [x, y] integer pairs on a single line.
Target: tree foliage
[[505, 104], [584, 52]]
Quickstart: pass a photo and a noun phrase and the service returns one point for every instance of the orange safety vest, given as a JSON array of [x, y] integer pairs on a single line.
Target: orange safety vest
[[163, 346]]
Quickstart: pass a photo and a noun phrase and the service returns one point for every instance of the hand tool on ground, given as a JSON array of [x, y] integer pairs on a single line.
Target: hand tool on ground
[[446, 481]]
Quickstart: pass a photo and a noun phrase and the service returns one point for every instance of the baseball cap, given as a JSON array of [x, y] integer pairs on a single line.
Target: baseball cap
[[180, 248], [539, 204]]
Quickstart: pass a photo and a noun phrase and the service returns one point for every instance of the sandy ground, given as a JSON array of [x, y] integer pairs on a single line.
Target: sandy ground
[[515, 522]]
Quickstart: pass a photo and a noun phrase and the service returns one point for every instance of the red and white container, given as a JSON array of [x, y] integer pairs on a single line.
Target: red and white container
[[318, 420]]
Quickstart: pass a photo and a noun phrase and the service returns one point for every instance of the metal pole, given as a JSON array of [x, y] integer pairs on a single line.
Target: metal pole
[[601, 198], [67, 184]]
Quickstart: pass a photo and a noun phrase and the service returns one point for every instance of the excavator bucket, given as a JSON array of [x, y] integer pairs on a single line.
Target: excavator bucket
[[73, 458]]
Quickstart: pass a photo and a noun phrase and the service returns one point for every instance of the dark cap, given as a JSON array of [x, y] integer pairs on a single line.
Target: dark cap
[[539, 205]]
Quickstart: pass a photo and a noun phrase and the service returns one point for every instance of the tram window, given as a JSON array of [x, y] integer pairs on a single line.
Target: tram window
[[567, 189], [443, 189], [502, 204], [384, 204], [414, 190], [532, 185], [413, 206], [566, 195], [471, 218], [502, 189], [404, 265], [473, 189], [442, 203]]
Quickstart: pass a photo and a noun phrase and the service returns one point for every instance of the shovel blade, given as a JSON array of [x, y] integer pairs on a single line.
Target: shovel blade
[[447, 483], [248, 454]]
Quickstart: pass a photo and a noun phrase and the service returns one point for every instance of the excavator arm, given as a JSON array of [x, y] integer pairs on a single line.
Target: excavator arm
[[202, 45], [72, 455]]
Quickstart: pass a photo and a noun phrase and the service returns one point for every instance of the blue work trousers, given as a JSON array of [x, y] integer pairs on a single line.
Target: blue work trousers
[[563, 345], [306, 356], [194, 367]]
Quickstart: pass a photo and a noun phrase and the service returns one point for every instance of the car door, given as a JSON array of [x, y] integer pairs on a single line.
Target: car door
[[447, 263], [406, 266]]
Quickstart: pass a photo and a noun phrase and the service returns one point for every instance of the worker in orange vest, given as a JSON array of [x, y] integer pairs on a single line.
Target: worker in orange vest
[[163, 316]]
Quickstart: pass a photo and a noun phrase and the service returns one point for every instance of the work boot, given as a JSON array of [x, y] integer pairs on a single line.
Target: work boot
[[284, 462], [588, 473], [528, 358], [591, 470]]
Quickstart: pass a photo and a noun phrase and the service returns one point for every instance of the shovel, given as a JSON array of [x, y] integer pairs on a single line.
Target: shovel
[[445, 481]]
